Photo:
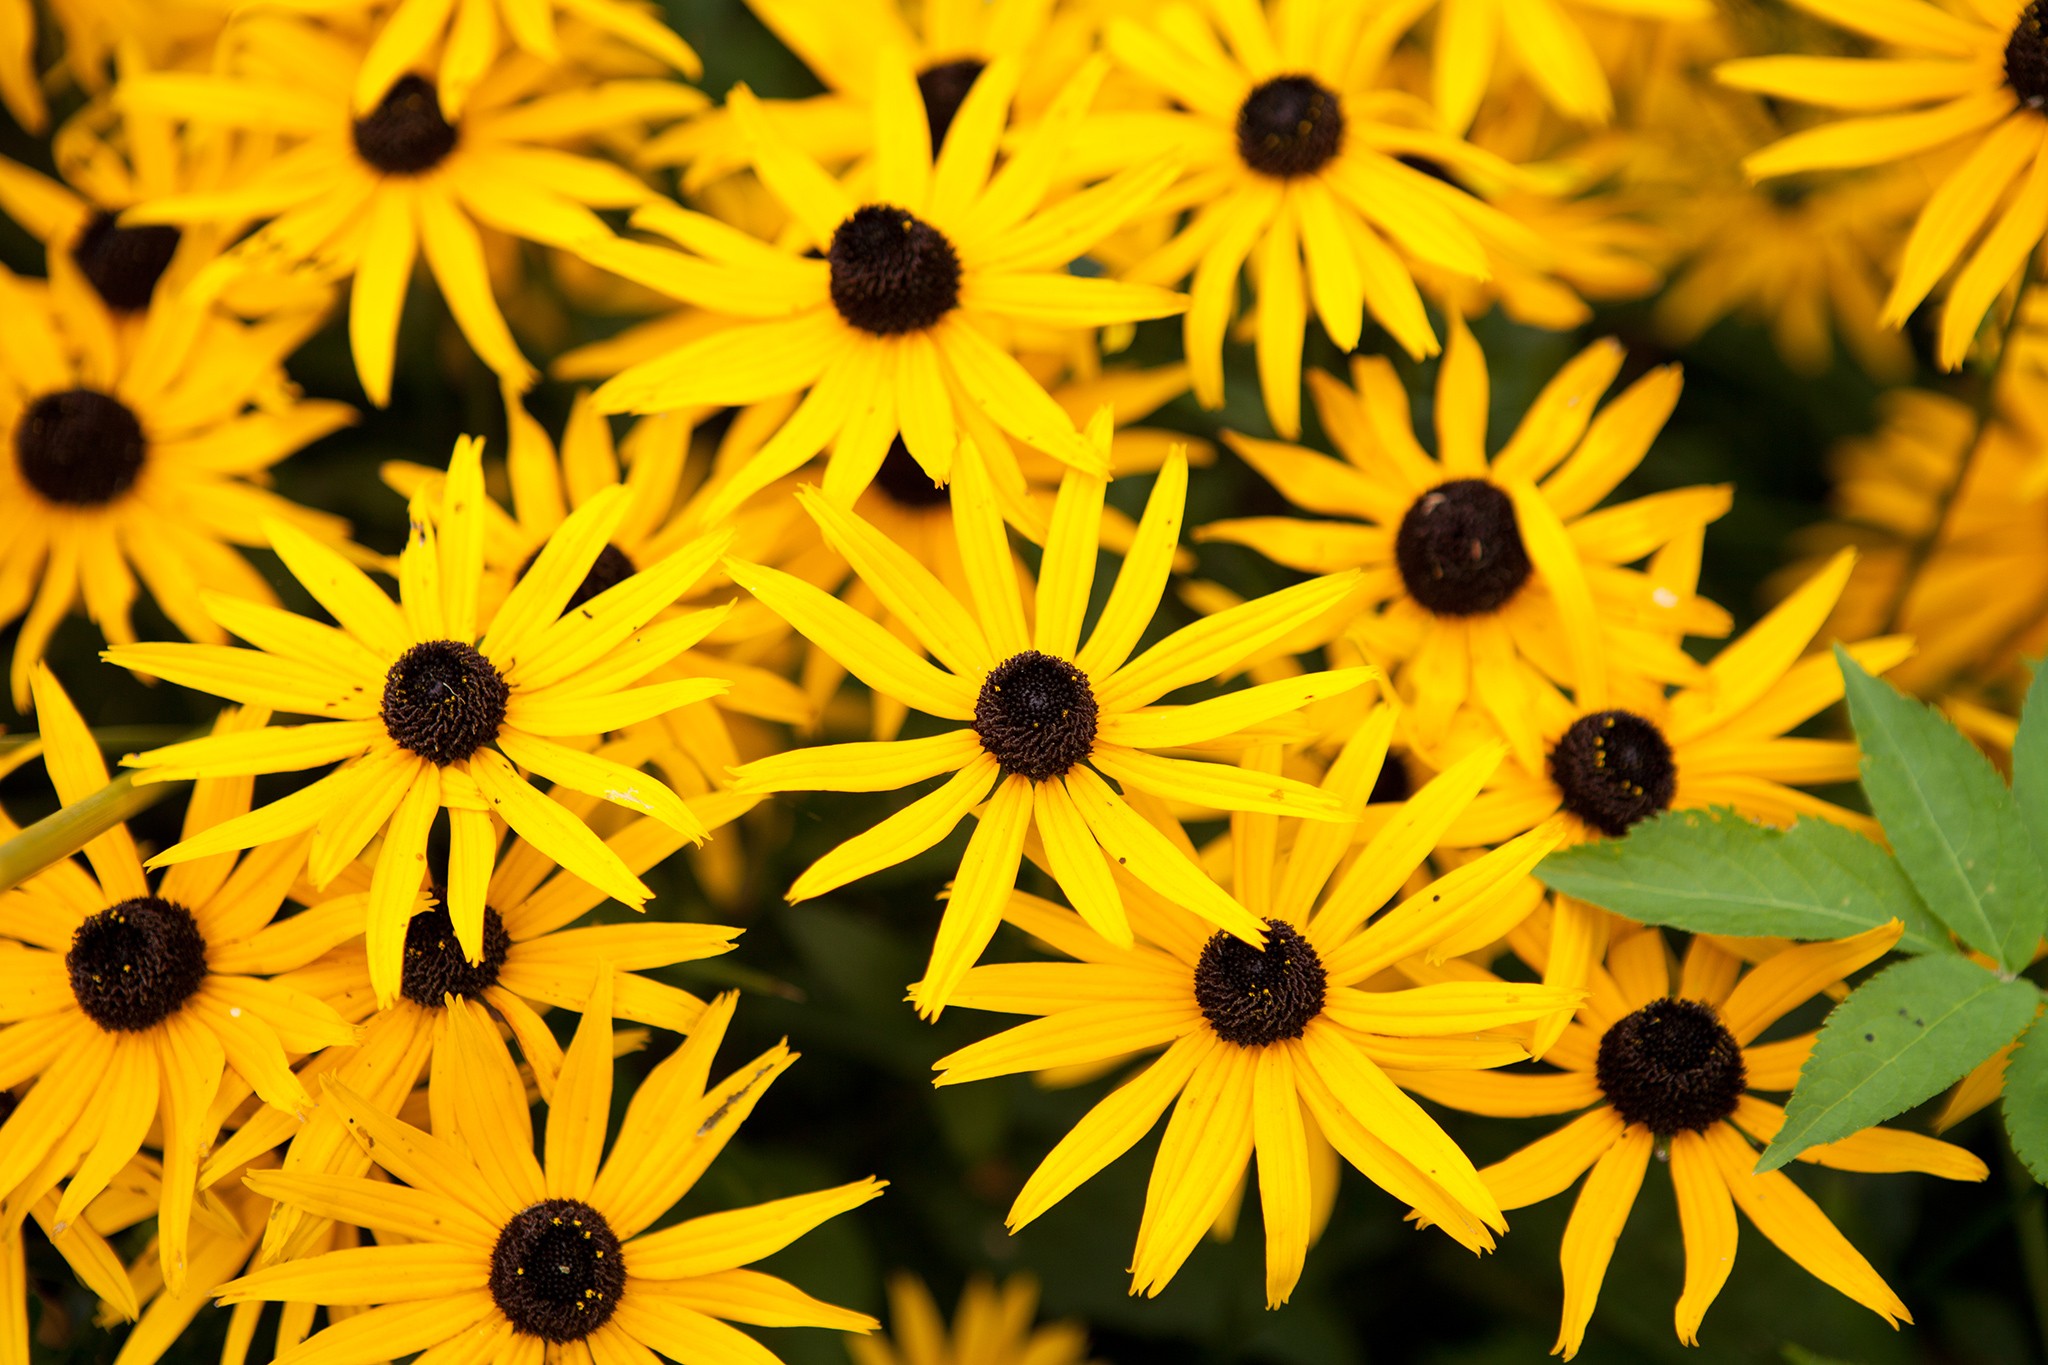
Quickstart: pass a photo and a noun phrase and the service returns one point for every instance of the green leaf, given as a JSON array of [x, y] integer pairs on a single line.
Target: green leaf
[[1713, 872], [1955, 827], [2025, 1103], [2030, 763], [1910, 1032]]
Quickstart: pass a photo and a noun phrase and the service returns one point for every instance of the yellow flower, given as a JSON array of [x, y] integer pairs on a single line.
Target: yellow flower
[[993, 1326], [504, 1257], [81, 1243], [1049, 718], [1485, 585], [1285, 158], [94, 34], [1266, 1045], [363, 195], [428, 707], [1669, 1064], [1973, 82], [137, 445], [898, 328], [127, 1005]]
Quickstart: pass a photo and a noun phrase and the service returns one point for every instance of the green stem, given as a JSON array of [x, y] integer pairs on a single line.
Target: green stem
[[2030, 1227], [111, 738], [64, 833]]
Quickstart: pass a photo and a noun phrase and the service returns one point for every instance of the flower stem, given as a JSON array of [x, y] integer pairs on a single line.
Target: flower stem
[[110, 738], [2030, 1228], [64, 833]]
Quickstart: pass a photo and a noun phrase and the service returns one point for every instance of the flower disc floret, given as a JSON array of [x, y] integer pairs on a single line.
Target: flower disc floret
[[904, 482], [557, 1271], [1290, 126], [1613, 769], [2026, 57], [612, 567], [1672, 1066], [443, 701], [1460, 549], [406, 133], [79, 447], [892, 272], [1036, 715], [1255, 997], [944, 87], [435, 967], [135, 964], [123, 264]]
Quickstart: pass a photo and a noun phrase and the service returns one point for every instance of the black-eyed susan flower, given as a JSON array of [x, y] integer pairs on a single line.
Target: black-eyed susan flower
[[534, 961], [899, 328], [137, 440], [1486, 576], [1668, 1062], [127, 1005], [994, 1325], [1971, 81], [1264, 1043], [510, 1257], [428, 706], [365, 192], [1051, 722], [1288, 161]]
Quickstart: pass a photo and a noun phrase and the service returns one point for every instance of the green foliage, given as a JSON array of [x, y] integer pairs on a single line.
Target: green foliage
[[2025, 1103], [1712, 872], [2030, 763], [1907, 1034], [1954, 825]]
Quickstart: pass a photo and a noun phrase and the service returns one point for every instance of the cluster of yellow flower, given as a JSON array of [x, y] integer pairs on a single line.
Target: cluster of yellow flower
[[909, 293]]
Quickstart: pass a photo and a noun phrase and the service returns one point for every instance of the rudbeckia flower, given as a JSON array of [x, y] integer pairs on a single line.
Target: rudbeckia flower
[[126, 1006], [505, 1257], [363, 192], [427, 707], [1973, 82], [898, 329], [1668, 1063], [1488, 577], [1048, 718], [1265, 1043], [1287, 160], [138, 442], [993, 1326]]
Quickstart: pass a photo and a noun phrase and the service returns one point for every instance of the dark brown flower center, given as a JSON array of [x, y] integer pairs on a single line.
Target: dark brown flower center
[[1672, 1066], [557, 1270], [1254, 997], [443, 701], [1036, 715], [1460, 549], [892, 271], [135, 964], [406, 134], [434, 965], [1289, 126], [79, 447], [944, 88], [1393, 783], [612, 567], [124, 263], [903, 480], [2026, 57], [1613, 769]]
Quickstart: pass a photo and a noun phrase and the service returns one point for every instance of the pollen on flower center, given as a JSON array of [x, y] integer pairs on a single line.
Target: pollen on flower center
[[443, 701], [136, 963], [612, 567], [434, 965], [1460, 549], [903, 480], [2026, 57], [80, 447], [892, 272], [1036, 715], [123, 264], [1614, 768], [1289, 126], [557, 1271], [944, 88], [1254, 997], [1672, 1066], [406, 134]]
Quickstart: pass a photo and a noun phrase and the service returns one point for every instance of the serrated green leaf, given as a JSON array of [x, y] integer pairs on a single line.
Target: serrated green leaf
[[1951, 820], [1908, 1033], [2030, 763], [2025, 1103], [1713, 872]]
